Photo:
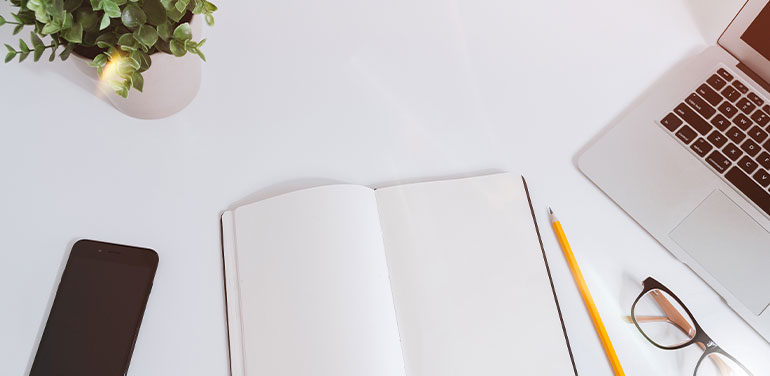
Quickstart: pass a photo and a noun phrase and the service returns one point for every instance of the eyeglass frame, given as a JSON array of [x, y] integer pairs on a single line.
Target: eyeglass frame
[[700, 337]]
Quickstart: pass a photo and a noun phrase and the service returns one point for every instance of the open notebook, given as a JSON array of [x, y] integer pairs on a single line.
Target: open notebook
[[444, 278]]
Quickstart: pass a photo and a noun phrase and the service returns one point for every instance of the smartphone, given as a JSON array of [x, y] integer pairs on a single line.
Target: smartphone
[[97, 311]]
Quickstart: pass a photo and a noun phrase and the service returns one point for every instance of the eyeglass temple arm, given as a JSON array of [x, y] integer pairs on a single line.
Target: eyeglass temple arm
[[673, 314]]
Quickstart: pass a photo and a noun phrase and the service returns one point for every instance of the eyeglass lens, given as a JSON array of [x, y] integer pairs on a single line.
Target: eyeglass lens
[[663, 320]]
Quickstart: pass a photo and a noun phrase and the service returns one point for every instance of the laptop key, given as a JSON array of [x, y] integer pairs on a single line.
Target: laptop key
[[732, 152], [693, 119], [752, 190], [718, 161], [725, 74], [756, 99], [764, 159], [709, 94], [717, 139], [698, 104], [716, 82], [741, 87], [742, 122], [746, 106], [701, 147], [736, 135], [686, 134], [757, 133], [760, 117], [750, 147], [720, 122], [671, 122], [728, 110], [747, 164], [762, 177], [731, 94]]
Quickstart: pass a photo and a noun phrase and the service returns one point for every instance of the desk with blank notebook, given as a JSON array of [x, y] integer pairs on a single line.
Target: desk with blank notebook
[[299, 95]]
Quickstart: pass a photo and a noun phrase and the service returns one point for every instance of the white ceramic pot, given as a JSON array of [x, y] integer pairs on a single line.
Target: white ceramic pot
[[170, 84]]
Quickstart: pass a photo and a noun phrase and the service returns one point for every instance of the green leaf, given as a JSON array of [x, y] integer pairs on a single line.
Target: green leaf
[[181, 5], [87, 18], [165, 31], [50, 28], [68, 20], [74, 34], [122, 2], [210, 8], [145, 61], [156, 13], [105, 22], [10, 48], [96, 5], [10, 56], [65, 54], [174, 14], [2, 21], [200, 53], [125, 68], [35, 39], [23, 56], [99, 61], [133, 63], [53, 53], [106, 40], [138, 81], [210, 19], [111, 9], [23, 46], [17, 29], [147, 35], [177, 48], [39, 49], [183, 32], [133, 16], [126, 39]]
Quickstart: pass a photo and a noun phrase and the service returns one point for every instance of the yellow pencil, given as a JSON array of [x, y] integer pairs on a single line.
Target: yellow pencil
[[589, 301]]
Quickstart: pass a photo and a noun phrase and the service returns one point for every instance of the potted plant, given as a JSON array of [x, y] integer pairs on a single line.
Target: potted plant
[[121, 39]]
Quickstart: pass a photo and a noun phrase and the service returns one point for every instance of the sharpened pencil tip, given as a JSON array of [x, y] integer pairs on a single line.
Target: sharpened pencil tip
[[550, 210]]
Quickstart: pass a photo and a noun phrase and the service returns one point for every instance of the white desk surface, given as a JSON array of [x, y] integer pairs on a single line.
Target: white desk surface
[[297, 94]]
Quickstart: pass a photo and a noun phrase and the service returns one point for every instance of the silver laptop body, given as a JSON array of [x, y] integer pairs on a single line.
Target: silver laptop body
[[691, 164]]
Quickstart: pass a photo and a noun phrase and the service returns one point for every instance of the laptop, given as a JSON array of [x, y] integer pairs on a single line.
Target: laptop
[[690, 162]]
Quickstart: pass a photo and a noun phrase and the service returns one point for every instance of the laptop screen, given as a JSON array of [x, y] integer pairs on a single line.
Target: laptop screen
[[758, 33]]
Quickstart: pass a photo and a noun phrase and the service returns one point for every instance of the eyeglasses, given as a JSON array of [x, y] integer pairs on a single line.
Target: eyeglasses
[[668, 324]]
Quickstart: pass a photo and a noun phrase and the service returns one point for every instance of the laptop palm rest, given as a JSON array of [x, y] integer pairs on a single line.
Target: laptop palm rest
[[732, 246]]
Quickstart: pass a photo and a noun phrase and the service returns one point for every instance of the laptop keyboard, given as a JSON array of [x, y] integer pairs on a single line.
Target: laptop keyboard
[[726, 124]]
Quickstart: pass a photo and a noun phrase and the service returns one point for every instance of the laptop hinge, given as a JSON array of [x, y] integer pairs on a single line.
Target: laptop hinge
[[754, 76]]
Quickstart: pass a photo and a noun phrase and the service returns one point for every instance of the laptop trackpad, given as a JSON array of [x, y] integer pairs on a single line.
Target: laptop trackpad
[[731, 246]]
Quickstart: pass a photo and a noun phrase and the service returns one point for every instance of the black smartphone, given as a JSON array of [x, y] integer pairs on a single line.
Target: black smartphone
[[95, 317]]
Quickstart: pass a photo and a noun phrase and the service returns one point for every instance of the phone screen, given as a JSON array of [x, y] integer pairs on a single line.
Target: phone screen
[[95, 317]]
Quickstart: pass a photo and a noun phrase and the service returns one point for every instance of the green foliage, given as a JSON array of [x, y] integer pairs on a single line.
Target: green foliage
[[124, 32]]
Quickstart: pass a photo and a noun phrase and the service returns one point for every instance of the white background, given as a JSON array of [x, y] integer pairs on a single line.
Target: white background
[[297, 94]]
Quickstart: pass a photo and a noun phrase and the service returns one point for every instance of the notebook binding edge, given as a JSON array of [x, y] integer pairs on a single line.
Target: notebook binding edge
[[550, 279], [232, 296]]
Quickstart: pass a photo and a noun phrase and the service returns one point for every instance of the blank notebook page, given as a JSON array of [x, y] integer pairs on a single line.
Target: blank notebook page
[[315, 296], [469, 282]]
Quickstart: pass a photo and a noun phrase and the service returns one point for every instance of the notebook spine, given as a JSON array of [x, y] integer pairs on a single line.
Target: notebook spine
[[232, 295], [550, 278]]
